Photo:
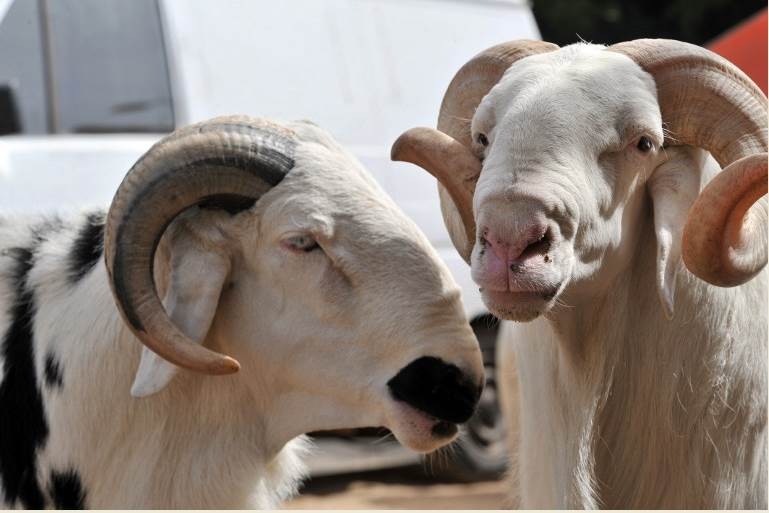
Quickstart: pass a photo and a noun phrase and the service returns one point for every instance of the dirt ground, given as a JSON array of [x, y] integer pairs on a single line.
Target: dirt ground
[[396, 489]]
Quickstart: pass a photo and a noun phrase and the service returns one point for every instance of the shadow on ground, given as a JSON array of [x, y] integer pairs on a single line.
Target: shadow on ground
[[403, 488]]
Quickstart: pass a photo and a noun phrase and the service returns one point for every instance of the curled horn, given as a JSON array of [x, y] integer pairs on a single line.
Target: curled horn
[[708, 102], [445, 153], [228, 162]]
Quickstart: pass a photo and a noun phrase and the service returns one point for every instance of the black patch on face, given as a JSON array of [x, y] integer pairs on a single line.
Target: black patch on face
[[88, 246], [67, 490], [52, 372], [437, 388], [23, 428]]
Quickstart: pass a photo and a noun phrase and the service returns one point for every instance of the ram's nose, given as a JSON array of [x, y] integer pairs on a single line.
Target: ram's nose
[[532, 240], [437, 388]]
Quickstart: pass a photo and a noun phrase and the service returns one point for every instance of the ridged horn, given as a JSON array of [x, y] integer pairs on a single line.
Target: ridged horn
[[452, 162], [228, 162], [707, 102]]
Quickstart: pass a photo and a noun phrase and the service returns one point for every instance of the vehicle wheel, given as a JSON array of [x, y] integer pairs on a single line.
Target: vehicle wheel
[[481, 452]]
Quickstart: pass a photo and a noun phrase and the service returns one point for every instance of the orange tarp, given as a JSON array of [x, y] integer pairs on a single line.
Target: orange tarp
[[746, 46]]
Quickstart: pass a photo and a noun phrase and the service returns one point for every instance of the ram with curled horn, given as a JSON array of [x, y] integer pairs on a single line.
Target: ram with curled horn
[[238, 305], [612, 200]]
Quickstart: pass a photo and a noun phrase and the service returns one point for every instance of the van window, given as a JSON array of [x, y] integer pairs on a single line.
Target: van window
[[109, 66], [85, 66], [21, 68]]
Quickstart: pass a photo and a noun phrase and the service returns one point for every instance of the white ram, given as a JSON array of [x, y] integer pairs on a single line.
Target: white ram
[[333, 304], [586, 172]]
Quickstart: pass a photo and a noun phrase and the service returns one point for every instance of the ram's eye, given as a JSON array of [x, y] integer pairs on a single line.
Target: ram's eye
[[303, 243], [644, 144], [482, 139]]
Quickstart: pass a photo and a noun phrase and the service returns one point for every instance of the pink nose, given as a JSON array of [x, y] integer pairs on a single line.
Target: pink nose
[[514, 249]]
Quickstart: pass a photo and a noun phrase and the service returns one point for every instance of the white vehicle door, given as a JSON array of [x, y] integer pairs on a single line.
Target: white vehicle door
[[84, 90], [365, 70]]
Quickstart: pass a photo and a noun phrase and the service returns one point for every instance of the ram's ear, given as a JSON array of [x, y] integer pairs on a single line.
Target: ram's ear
[[198, 268], [673, 187]]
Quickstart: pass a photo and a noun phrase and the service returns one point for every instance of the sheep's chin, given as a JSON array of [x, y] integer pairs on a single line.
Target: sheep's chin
[[517, 306], [417, 430]]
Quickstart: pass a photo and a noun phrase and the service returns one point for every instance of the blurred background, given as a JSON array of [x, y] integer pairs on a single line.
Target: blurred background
[[86, 86]]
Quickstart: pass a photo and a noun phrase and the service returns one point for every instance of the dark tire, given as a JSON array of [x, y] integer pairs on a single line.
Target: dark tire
[[481, 452]]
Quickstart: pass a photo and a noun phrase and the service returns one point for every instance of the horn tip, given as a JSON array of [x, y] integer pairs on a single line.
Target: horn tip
[[397, 148], [405, 143], [227, 365]]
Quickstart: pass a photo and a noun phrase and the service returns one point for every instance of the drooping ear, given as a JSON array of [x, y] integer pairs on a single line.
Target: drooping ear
[[199, 265], [673, 187]]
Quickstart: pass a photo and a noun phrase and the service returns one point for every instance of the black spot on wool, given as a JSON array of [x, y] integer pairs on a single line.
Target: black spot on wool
[[67, 490], [52, 372], [88, 246], [23, 428]]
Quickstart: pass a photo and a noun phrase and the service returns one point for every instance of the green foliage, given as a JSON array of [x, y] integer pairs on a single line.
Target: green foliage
[[610, 21]]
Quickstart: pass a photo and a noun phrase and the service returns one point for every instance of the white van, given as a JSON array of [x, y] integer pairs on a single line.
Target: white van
[[86, 86]]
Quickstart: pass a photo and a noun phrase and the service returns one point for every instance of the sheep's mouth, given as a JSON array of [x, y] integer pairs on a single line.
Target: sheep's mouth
[[520, 305], [521, 296], [418, 430], [439, 428], [445, 429]]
